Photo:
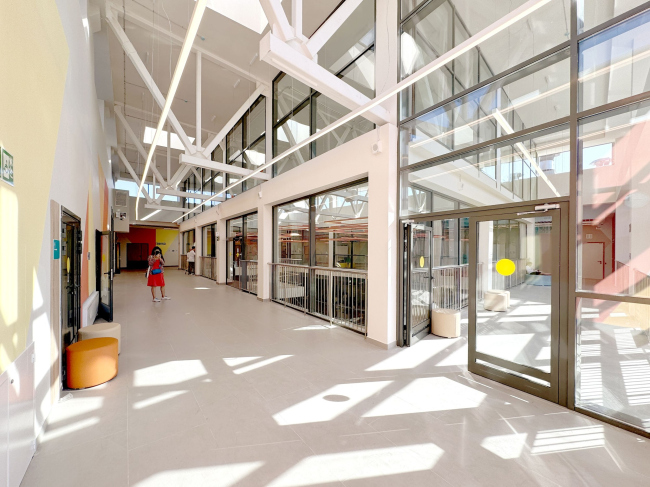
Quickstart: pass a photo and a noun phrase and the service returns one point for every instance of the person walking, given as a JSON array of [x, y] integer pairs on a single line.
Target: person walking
[[156, 274], [191, 256]]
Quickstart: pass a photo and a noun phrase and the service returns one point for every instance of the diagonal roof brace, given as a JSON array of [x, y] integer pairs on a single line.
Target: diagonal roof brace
[[132, 54], [279, 54], [221, 167]]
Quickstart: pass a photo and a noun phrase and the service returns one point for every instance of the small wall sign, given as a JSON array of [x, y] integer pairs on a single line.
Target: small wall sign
[[7, 167], [57, 249]]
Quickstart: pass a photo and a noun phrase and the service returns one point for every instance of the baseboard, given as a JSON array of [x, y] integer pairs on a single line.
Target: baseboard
[[385, 346], [264, 300]]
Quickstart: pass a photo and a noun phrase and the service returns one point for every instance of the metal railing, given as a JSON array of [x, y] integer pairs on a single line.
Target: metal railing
[[337, 295], [209, 267], [450, 286], [248, 276], [183, 262], [507, 282]]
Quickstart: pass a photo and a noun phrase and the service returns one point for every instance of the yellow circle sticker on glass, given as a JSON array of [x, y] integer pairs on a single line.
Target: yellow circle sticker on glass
[[505, 267], [422, 261], [68, 265]]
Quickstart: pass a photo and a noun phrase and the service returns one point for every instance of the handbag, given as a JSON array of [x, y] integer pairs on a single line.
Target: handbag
[[156, 271]]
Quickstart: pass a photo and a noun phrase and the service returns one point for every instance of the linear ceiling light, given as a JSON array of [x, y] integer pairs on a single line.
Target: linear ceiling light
[[491, 30], [150, 215], [190, 35], [522, 148]]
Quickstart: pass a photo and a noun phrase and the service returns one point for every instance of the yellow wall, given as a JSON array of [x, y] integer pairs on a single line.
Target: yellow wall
[[34, 60]]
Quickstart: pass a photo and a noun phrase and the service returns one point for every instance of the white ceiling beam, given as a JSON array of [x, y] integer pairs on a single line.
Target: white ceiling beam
[[331, 25], [179, 175], [279, 54], [197, 141], [277, 19], [196, 173], [183, 194], [221, 167], [214, 142], [164, 208], [149, 25], [132, 173], [130, 132], [296, 17], [156, 172], [130, 51]]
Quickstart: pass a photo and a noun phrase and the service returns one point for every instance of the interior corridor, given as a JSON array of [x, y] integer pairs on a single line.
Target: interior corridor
[[217, 388]]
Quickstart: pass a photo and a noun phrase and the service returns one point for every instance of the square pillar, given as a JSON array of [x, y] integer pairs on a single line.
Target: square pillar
[[264, 250]]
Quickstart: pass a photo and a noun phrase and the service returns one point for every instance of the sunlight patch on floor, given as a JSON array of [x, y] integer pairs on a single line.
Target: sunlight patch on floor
[[568, 439], [169, 373], [364, 464], [262, 363], [505, 446], [428, 394], [214, 476], [53, 434], [411, 357], [235, 361], [320, 408], [165, 396]]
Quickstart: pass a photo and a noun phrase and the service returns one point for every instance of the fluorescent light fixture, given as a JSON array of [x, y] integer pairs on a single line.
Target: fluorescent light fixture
[[175, 140], [490, 31], [190, 35], [248, 13], [509, 130], [151, 214]]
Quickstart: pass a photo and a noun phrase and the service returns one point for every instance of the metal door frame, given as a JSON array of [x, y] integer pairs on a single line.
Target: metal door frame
[[103, 310], [557, 376]]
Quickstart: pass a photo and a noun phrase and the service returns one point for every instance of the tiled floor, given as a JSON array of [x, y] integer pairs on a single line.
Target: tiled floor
[[218, 389]]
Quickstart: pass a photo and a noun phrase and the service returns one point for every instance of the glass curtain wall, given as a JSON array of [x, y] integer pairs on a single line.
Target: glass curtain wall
[[209, 247], [505, 124], [299, 111]]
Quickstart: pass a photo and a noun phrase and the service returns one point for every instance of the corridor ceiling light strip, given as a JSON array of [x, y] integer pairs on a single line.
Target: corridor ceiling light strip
[[190, 35], [490, 31], [509, 130], [150, 215]]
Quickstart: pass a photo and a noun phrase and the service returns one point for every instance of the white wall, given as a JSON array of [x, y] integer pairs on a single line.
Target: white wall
[[347, 163]]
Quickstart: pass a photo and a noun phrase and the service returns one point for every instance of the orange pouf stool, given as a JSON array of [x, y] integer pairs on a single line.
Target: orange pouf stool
[[91, 362]]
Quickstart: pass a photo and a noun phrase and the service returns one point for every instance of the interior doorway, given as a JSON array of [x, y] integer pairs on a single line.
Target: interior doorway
[[499, 273], [71, 250]]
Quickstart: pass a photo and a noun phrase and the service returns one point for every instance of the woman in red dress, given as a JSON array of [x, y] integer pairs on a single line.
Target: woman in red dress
[[156, 274]]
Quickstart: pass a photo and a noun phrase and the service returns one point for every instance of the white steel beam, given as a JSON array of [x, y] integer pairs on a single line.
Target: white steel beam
[[279, 54], [154, 114], [197, 141], [183, 194], [214, 142], [220, 167], [331, 25], [196, 173], [169, 154], [277, 19], [164, 208], [135, 177], [156, 172], [148, 24], [130, 132], [130, 51], [296, 17], [179, 175]]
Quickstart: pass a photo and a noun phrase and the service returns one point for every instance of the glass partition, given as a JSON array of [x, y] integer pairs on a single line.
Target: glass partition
[[530, 167], [594, 12], [209, 241], [292, 233], [620, 53]]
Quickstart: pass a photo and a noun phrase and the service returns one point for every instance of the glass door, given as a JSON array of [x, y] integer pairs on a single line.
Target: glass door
[[514, 318], [106, 266], [417, 290]]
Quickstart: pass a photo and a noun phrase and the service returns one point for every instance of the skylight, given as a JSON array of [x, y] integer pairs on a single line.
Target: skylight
[[248, 13], [149, 132]]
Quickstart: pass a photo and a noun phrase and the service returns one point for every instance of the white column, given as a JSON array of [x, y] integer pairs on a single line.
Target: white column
[[169, 154], [222, 258], [296, 17], [197, 142], [383, 245], [264, 250], [198, 243], [386, 69]]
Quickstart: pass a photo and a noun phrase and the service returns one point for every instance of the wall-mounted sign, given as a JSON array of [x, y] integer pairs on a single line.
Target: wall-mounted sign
[[57, 249], [7, 167]]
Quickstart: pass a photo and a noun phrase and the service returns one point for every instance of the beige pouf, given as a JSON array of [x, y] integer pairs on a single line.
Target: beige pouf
[[495, 300], [445, 322], [100, 330]]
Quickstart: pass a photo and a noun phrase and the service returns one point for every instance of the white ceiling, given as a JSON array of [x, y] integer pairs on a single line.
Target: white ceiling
[[221, 37]]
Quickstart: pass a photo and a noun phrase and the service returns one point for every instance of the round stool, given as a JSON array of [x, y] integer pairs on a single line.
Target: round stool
[[91, 362], [495, 300], [445, 322], [101, 330]]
